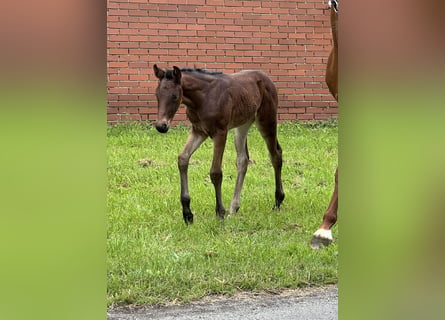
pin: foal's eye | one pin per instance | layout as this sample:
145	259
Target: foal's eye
174	97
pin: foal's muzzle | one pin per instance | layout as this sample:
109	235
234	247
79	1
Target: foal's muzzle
162	127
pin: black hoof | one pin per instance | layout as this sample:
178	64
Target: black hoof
278	200
220	213
188	218
277	205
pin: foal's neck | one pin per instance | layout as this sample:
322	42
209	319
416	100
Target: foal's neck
194	88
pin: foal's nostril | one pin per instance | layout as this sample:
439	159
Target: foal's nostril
162	127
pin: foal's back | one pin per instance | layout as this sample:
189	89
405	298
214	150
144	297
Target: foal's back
251	91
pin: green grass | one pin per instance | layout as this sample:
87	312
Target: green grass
153	257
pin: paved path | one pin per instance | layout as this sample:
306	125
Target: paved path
305	304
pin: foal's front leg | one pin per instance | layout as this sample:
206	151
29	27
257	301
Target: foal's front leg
194	140
242	161
219	143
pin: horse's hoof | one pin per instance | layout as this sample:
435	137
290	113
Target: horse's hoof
279	197
321	237
188	219
233	211
220	212
221	216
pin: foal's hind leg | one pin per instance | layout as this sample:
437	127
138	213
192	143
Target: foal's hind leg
242	161
268	130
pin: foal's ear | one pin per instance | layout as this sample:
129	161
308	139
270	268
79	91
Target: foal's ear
177	75
159	73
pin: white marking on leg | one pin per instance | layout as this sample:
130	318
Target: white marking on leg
324	234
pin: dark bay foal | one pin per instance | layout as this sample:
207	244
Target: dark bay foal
216	103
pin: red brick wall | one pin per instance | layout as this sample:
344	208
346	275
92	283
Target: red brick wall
289	40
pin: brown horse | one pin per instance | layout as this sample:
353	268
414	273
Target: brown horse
324	235
216	103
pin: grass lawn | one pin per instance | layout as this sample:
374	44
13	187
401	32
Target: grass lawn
153	257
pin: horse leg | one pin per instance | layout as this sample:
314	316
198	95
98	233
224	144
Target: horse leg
324	235
268	130
216	176
242	161
277	162
194	140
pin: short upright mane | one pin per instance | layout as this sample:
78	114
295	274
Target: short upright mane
203	71
169	73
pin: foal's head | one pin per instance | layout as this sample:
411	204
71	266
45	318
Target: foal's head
169	95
